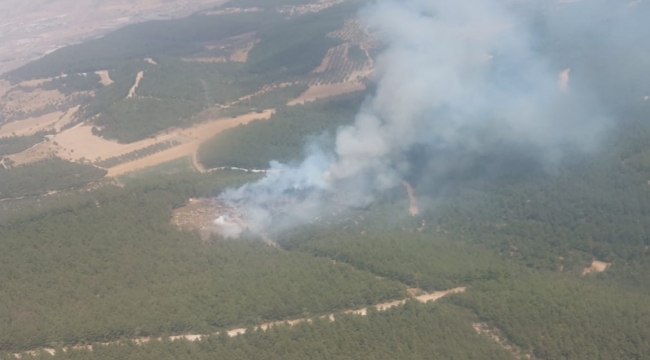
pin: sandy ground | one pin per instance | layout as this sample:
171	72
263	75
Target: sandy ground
105	77
596	266
426	297
151	61
4	87
563	80
31	125
219	59
195	135
323	91
413	207
241	55
496	335
138	78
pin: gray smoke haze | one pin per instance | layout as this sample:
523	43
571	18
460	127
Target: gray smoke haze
458	79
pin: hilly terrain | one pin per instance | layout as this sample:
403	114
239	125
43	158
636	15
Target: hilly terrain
116	240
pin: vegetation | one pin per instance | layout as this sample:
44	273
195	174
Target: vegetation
110	266
136	154
297	46
15	144
74	83
280	138
555	317
177	37
45	176
415	331
134	119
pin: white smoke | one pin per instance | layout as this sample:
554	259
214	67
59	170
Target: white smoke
459	77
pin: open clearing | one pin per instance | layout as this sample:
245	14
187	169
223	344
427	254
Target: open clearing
80	144
424	298
323	91
31	125
105	77
241	55
219	59
194	136
596	266
138	78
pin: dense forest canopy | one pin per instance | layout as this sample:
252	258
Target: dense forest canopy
86	259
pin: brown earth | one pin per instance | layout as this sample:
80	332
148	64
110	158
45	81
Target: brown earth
138	78
31	125
596	266
105	77
241	55
323	91
497	336
194	136
219	59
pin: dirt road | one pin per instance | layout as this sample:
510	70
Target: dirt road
426	297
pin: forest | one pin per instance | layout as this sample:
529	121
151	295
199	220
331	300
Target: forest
99	260
15	144
283	137
46	176
110	265
414	331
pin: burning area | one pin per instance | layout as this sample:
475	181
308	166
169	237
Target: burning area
210	217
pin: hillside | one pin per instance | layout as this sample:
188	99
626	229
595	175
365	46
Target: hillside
329	179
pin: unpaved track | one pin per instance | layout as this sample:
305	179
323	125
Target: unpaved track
324	91
138	78
239	331
31	125
195	136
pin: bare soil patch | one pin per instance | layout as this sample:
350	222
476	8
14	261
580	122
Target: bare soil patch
241	55
31	125
138	78
219	59
151	61
66	118
193	136
324	91
105	77
596	266
496	335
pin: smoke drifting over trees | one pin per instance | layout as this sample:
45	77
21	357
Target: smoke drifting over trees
463	86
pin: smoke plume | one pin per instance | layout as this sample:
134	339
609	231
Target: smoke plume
459	82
